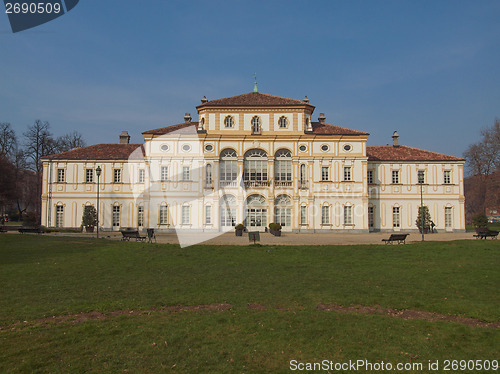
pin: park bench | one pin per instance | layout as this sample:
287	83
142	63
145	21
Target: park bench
483	233
134	234
33	230
399	238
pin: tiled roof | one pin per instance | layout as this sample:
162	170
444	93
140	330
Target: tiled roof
327	129
254	99
405	153
182	128
105	151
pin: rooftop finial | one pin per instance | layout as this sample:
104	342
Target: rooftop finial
255	84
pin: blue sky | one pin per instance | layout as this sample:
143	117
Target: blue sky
428	69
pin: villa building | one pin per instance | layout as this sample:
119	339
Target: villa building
254	159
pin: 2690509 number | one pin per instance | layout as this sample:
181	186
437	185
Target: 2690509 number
34	8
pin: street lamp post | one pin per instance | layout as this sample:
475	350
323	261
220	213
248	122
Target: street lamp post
98	173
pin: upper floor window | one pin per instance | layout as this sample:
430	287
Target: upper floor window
60	175
370	176
283	165
229	122
142	175
255	166
256	124
164	173
325	175
283	122
186	171
228	166
117	175
208	175
447	177
395	176
89	175
421	176
347	173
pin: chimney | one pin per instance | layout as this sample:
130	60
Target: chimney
204	100
306	100
187	118
322	118
124	137
395	139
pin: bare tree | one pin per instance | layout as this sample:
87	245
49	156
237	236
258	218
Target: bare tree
8	140
483	165
39	143
70	141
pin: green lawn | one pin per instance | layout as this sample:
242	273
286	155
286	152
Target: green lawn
41	277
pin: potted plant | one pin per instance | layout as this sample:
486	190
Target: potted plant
275	229
239	229
423	220
89	219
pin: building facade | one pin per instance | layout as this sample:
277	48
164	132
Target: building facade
254	159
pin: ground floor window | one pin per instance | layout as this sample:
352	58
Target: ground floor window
59	216
325	215
185	215
348	215
256	217
228	211
448	217
396	217
140	216
163	217
371	217
283	211
208	215
116	216
303	215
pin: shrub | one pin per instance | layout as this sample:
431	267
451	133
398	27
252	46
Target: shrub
275	226
30	220
89	218
423	210
480	220
239	226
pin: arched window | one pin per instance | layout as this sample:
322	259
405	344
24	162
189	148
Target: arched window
256	124
283	122
256	212
255	167
283	210
228	211
229	122
228	168
283	168
303	176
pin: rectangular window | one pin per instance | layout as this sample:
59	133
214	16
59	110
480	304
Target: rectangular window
116	216
370	177
185	215
142	176
303	216
325	215
208	215
371	217
140	216
395	176
117	175
164	173
447	177
396	217
59	216
348	215
347	173
60	175
163	218
89	175
325	176
421	176
208	175
186	173
448	217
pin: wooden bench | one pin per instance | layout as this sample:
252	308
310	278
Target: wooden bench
399	238
127	235
483	233
34	230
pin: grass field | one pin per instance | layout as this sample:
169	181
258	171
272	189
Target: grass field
81	305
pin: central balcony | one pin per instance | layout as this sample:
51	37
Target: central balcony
283	184
257	184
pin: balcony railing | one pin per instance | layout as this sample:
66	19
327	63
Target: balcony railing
257	184
224	184
282	184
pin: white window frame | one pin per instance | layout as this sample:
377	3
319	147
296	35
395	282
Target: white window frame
117	175
371	216
447	176
229	122
115	217
369	177
256	125
448	217
325	174
395	177
347	215
396	216
347	174
89	175
325	215
186	173
140	216
164	173
61	175
163	215
186	214
283	122
303	215
59	215
142	176
421	176
208	214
